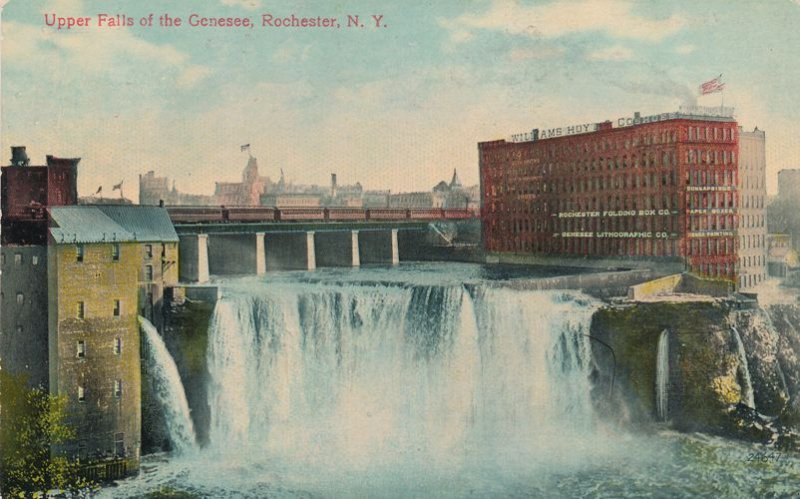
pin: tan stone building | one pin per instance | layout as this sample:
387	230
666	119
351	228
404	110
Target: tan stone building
752	224
106	265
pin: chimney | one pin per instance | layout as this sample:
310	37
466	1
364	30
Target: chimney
54	161
333	185
637	115
18	156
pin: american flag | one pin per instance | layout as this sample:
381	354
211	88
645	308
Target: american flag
712	86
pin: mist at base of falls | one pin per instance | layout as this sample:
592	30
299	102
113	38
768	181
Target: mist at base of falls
419	382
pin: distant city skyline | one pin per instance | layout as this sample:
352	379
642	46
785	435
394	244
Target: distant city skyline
393	108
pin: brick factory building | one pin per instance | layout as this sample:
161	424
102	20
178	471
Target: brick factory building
663	187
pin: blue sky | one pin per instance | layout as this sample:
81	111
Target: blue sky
396	107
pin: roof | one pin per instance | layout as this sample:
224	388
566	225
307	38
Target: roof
119	223
147	223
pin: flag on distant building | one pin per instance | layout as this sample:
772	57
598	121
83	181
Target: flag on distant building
118	186
245	147
712	86
99	190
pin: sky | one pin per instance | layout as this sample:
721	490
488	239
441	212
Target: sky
397	106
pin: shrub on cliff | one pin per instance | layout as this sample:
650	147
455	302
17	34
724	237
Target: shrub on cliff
31	422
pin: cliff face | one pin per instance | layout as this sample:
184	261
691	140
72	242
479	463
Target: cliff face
722	360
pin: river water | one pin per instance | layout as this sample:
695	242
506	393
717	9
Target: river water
427	380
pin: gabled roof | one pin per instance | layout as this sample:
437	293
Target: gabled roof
119	223
147	223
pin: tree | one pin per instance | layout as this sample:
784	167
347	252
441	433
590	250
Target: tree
32	422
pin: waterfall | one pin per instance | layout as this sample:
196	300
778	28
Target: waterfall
168	389
662	376
744	371
373	375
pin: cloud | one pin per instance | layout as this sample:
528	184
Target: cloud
613	17
615	53
96	52
546	52
247	4
685	49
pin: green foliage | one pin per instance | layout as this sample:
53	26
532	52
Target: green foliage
31	422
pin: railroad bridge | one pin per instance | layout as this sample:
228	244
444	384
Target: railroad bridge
253	240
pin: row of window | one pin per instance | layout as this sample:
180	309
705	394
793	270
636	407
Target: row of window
80	348
583	245
80	252
80	309
19	259
117	391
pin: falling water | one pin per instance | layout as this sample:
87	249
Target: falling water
744	370
352	377
662	376
169	390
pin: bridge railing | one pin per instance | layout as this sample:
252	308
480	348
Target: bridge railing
224	214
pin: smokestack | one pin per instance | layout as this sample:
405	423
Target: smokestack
333	185
18	156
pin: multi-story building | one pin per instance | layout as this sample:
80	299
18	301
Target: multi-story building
789	185
661	187
752	224
106	266
25	193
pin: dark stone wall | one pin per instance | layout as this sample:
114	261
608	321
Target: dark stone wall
286	251
231	254
23	326
375	247
334	249
186	337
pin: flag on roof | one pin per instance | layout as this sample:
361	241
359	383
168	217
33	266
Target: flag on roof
245	147
118	186
712	86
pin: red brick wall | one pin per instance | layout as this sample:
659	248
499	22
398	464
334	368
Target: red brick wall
618	192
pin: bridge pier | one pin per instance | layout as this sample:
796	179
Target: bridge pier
395	248
261	255
311	254
355	258
193	261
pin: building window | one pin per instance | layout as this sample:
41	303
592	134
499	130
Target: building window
81	349
79	253
3	259
17	258
117	345
148	251
148	273
34	260
20	298
20	329
115	252
119	444
81	393
81	310
117	308
117	388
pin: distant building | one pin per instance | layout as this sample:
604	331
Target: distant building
781	257
752	229
443	195
789	185
153	190
290	200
